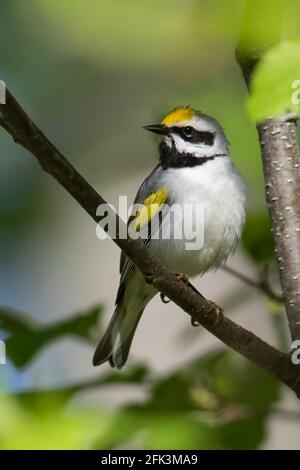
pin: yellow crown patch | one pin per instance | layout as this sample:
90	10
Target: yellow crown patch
179	114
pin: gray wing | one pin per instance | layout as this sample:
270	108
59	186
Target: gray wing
150	185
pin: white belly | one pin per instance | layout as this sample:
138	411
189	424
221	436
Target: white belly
218	190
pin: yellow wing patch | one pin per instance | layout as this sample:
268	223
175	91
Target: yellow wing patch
151	206
179	114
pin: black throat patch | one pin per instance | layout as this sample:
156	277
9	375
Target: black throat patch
171	158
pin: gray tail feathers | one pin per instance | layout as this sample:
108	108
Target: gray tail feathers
115	344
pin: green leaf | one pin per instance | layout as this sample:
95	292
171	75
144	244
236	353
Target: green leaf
257	238
139	427
36	399
226	377
27	337
219	401
261	27
275	86
242	434
172	393
122	428
238	381
228	394
52	427
179	431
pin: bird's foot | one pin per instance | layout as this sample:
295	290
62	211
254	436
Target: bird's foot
182	277
218	310
211	308
194	322
164	298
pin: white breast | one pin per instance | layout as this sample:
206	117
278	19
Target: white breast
218	186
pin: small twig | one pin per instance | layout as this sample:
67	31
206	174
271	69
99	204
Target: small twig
263	285
266	286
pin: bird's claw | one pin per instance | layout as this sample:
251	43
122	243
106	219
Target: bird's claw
218	310
182	277
164	298
212	307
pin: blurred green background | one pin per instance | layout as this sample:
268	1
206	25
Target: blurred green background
91	74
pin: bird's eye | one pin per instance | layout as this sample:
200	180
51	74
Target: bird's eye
188	131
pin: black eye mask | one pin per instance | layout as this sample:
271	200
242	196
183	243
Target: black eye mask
189	134
171	158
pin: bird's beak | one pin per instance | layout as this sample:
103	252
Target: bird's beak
157	129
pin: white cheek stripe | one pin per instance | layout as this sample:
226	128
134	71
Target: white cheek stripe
194	149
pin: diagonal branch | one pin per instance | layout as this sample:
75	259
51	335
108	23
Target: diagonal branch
26	133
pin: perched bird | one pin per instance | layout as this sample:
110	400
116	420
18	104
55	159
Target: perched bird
194	169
